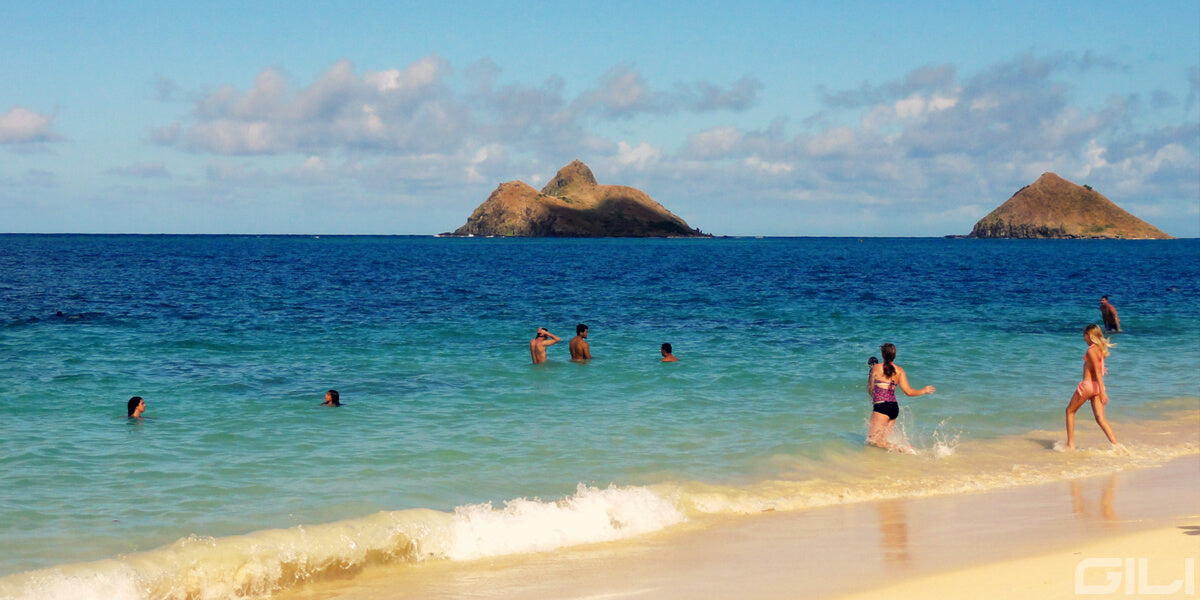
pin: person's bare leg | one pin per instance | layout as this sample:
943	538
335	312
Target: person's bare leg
1072	407
1098	411
880	427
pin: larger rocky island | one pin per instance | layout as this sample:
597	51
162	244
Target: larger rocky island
573	205
1053	207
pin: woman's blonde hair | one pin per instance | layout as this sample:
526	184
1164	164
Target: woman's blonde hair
1096	335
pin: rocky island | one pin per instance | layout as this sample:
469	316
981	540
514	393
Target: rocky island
1053	207
573	205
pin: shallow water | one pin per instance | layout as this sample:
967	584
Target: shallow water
233	341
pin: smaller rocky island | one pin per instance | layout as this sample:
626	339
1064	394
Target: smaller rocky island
1053	207
573	205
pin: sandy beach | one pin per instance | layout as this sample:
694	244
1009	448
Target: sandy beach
1024	542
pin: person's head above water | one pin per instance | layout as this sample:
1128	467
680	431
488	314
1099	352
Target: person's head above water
135	407
332	398
580	329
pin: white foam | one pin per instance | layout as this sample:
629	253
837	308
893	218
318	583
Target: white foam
253	565
945	465
264	562
591	515
93	584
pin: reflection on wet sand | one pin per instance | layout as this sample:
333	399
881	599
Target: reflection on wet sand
1104	511
893	530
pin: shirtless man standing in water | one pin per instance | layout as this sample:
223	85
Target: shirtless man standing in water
1108	312
579	344
537	346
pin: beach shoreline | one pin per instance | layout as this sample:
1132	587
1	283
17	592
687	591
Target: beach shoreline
886	548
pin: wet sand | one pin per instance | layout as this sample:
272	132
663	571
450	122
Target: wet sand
1026	541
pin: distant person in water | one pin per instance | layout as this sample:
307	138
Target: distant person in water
1092	386
539	343
135	407
579	344
332	398
665	350
1108	313
882	381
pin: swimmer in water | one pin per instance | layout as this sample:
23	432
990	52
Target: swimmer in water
135	407
332	398
1108	313
537	346
579	344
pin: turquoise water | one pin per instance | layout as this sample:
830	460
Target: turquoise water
233	341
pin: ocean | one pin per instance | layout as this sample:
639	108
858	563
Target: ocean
450	445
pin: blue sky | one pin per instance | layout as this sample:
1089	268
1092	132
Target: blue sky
748	118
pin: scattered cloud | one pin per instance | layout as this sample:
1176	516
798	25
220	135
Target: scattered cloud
927	79
931	132
949	142
755	163
39	178
624	93
22	126
146	170
417	110
165	90
642	156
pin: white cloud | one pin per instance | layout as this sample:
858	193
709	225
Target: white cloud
755	163
641	156
23	126
396	110
840	140
371	121
423	73
314	164
394	116
911	107
623	90
227	136
488	163
713	142
932	141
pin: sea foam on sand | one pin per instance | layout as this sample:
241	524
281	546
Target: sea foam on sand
944	547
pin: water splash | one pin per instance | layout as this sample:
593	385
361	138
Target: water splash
945	442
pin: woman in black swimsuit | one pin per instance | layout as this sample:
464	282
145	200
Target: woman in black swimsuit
881	384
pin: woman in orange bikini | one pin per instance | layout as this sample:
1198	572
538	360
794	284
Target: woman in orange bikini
1092	386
